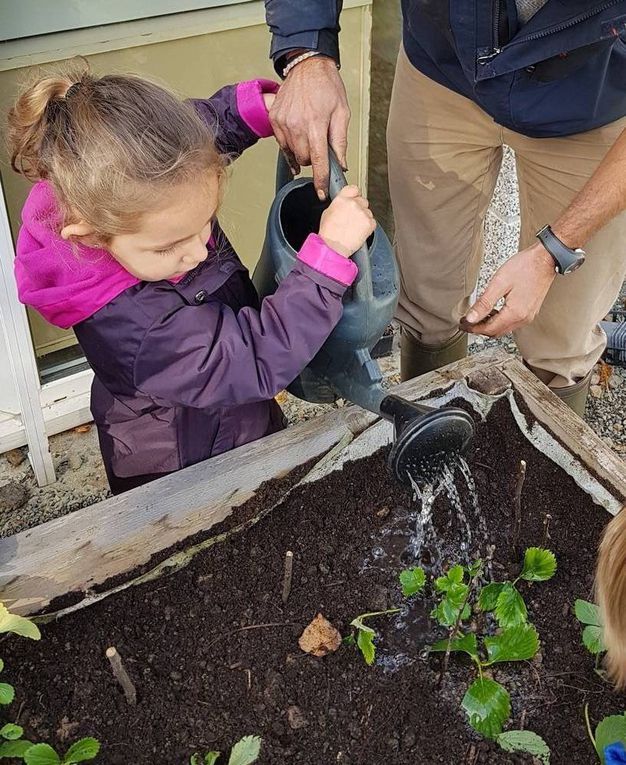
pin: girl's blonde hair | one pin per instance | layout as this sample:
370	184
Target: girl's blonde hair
110	146
611	592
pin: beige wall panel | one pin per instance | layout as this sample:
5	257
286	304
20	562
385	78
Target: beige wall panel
197	66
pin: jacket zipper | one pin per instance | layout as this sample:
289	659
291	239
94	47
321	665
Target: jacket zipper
485	59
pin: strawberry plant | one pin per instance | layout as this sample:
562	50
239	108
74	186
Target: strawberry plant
81	751
245	752
486	702
365	634
505	600
525	741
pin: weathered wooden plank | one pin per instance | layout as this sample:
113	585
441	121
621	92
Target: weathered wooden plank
88	547
573	432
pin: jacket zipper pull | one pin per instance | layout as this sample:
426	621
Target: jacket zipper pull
482	60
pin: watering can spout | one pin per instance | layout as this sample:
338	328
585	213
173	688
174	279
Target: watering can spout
344	368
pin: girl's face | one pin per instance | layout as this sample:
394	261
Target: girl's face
172	238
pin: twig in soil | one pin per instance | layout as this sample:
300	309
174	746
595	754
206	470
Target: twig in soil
517	509
546	529
471	755
121	675
287	574
522	720
249	627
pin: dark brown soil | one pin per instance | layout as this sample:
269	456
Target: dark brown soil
203	681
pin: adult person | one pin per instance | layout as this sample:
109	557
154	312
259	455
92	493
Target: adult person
547	78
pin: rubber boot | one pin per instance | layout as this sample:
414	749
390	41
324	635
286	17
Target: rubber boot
416	358
575	396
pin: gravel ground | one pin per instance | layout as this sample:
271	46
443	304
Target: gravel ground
79	467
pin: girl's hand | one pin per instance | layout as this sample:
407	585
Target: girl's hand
347	223
268	99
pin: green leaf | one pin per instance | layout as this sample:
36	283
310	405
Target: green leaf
195	759
1	665
245	751
446	613
525	741
412	581
539	565
488	598
515	644
211	758
81	751
587	613
466	644
454	576
609	731
510	609
593	639
41	754
475	568
18	625
14	749
487	705
365	641
11	732
7	693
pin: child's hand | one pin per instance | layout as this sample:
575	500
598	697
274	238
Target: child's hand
347	223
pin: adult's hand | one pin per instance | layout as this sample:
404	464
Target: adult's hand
523	281
311	111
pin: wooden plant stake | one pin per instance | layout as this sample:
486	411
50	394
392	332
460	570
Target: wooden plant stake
121	675
517	509
287	575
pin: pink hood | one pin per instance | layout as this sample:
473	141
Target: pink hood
65	282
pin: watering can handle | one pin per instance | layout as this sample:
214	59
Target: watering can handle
363	289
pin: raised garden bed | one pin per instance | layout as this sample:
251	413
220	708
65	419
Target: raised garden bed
213	650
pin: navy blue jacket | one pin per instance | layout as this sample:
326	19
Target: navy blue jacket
563	72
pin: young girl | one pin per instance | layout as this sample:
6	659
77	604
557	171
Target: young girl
120	241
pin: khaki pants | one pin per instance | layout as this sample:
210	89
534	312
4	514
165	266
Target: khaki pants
444	158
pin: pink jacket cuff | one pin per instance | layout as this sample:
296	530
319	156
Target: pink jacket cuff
319	256
252	107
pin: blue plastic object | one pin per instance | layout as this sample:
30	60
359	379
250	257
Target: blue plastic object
615	754
344	368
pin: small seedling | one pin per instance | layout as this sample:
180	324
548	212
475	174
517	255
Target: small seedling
453	606
505	600
609	739
81	751
525	741
245	752
588	614
413	581
365	634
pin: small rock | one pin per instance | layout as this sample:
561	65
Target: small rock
176	676
296	718
383	512
595	379
596	391
15	457
324	569
13	495
75	461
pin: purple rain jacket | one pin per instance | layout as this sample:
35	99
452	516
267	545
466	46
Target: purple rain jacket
184	369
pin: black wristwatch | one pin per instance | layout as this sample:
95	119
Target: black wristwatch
566	259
